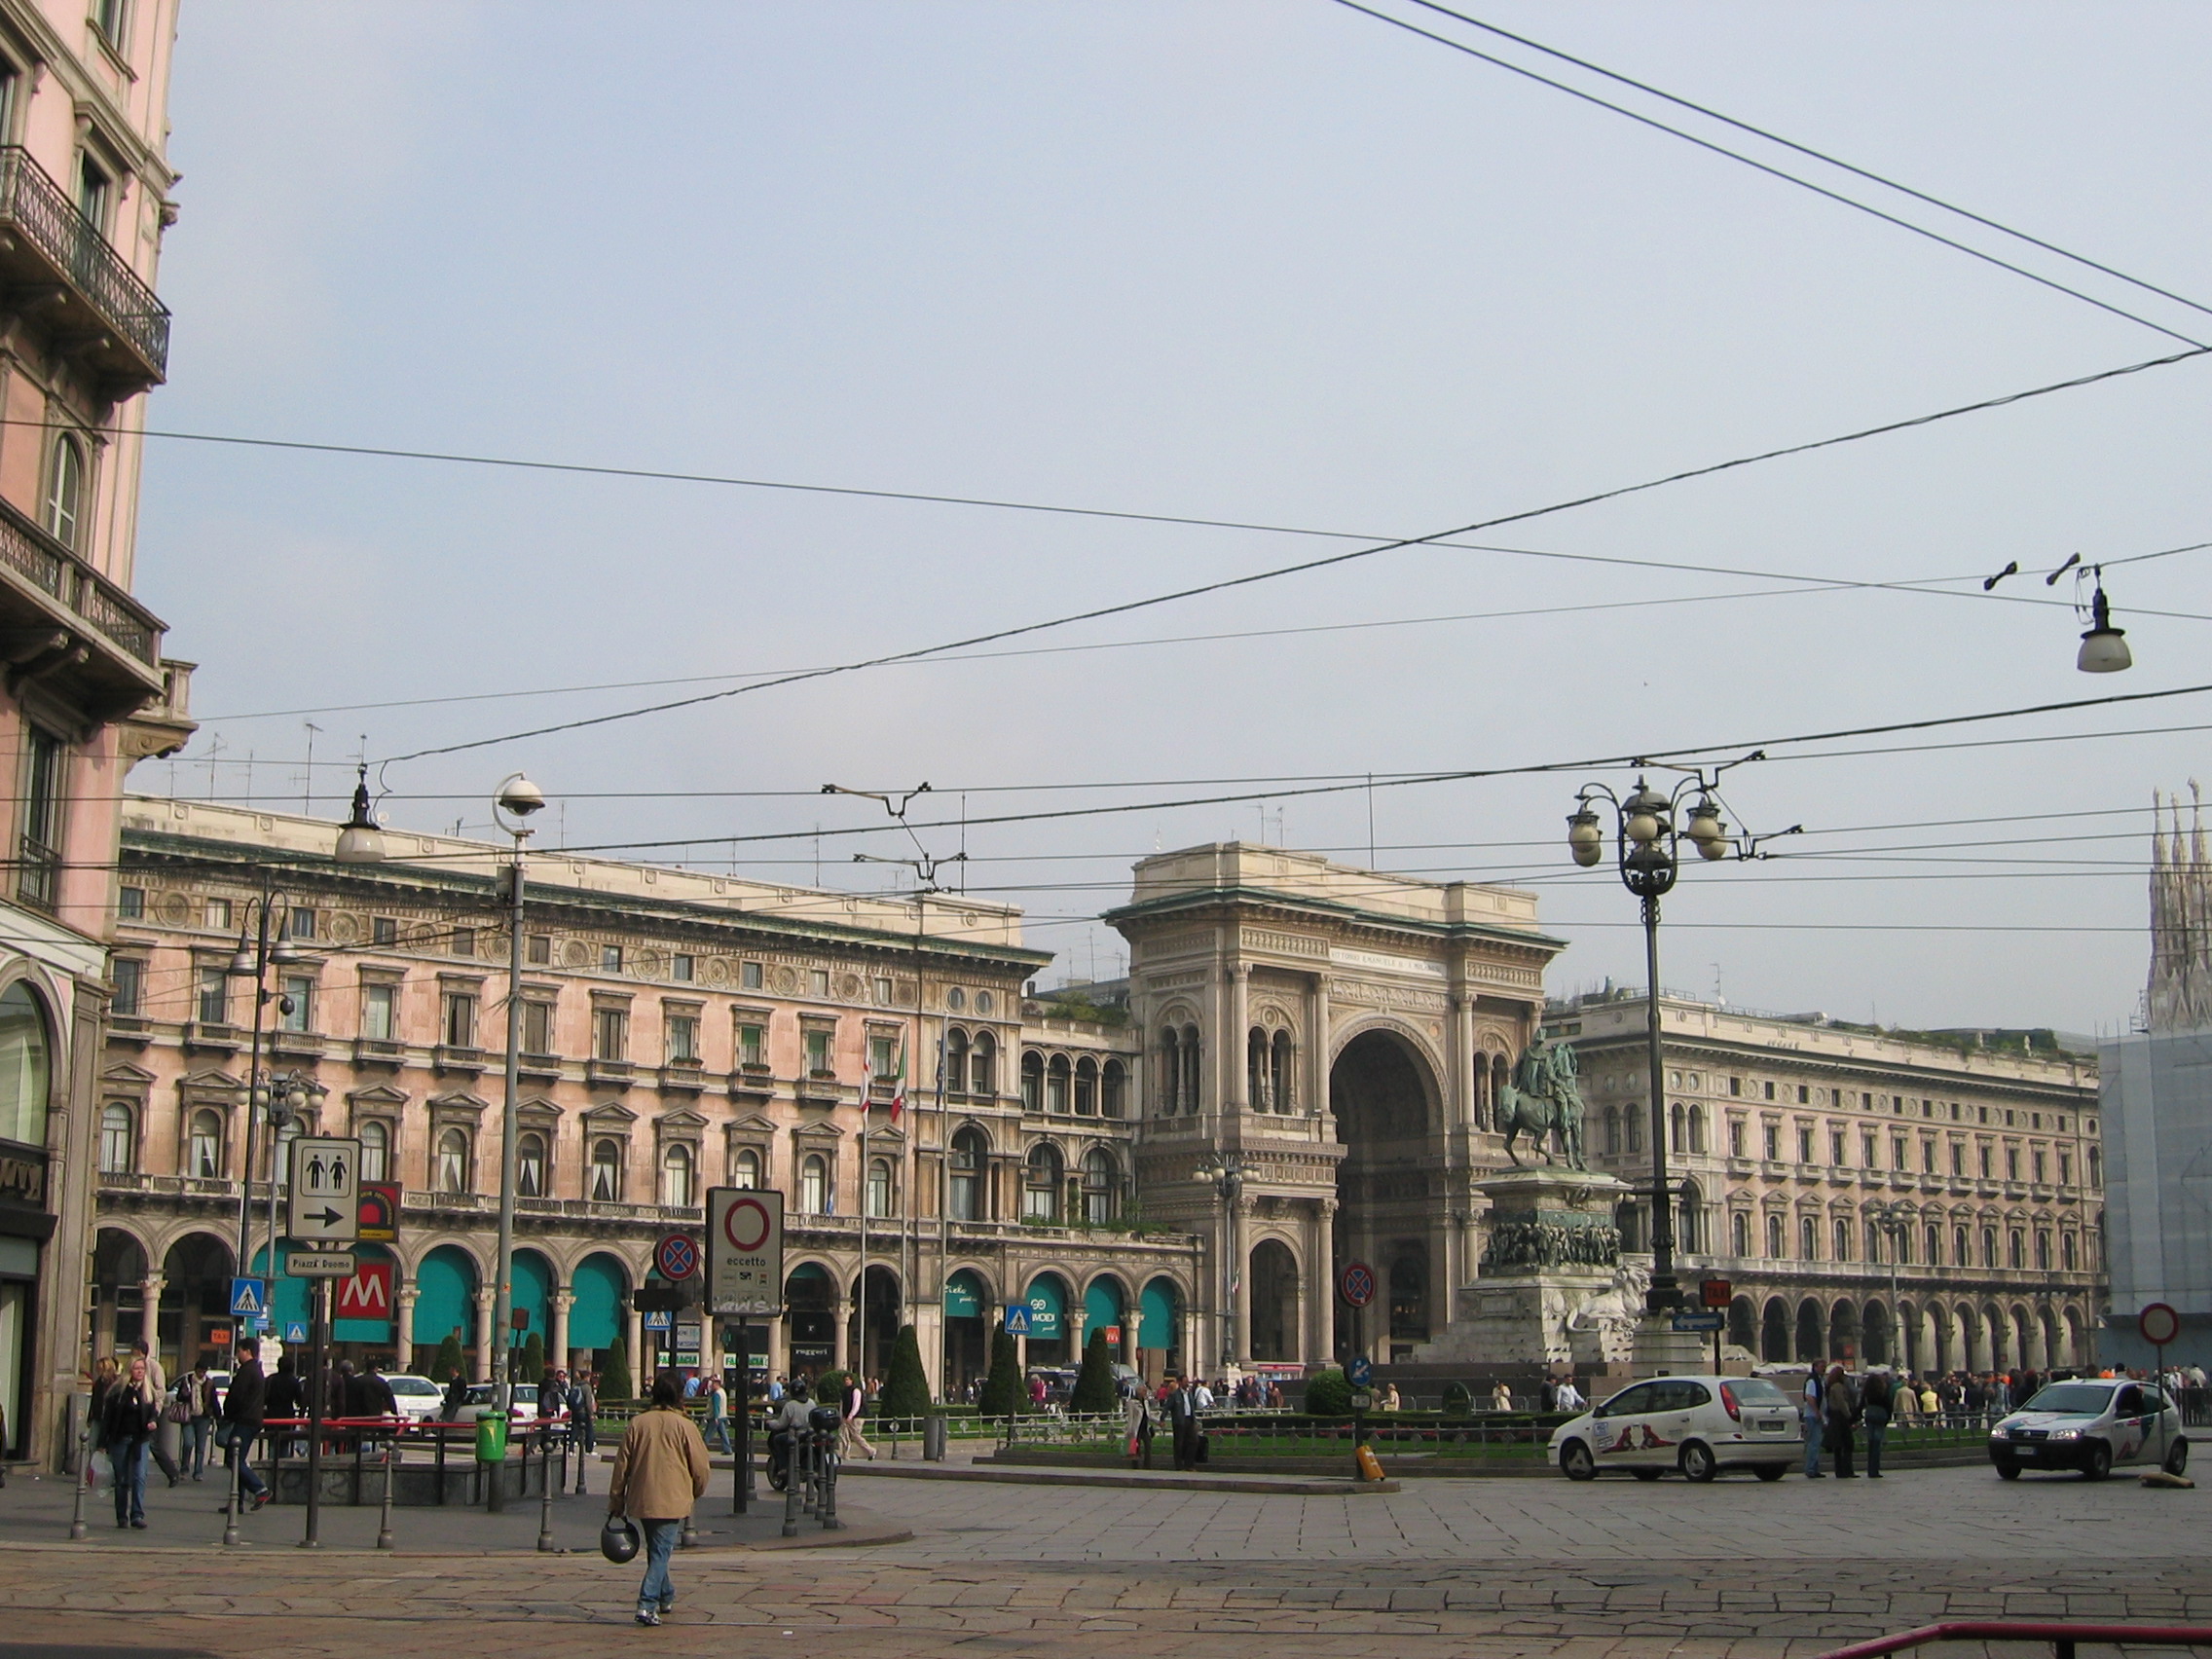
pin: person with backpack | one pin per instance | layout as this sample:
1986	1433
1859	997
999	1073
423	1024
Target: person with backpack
1839	1405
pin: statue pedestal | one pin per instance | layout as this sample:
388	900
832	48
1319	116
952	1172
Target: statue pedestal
1661	1351
1550	1292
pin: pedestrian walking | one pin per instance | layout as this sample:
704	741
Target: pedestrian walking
1137	1420
718	1413
245	1406
850	1403
1841	1408
1570	1396
457	1396
1813	1418
661	1471
131	1415
158	1380
197	1391
1876	1405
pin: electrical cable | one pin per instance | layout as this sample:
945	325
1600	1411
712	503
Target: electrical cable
1818	155
1902	223
1250	578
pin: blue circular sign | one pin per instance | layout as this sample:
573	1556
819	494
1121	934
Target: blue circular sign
676	1256
1356	1284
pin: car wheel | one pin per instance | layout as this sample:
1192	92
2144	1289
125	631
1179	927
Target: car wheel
2008	1470
2099	1465
2177	1460
1646	1474
1771	1472
1575	1462
1698	1462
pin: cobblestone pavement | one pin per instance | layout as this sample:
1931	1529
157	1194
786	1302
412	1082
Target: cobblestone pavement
1494	1569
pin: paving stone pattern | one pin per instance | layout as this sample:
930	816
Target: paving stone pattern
1491	1569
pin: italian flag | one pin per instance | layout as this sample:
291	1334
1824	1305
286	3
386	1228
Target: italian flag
898	1094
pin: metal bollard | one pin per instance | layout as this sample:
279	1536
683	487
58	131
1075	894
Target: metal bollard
791	1489
545	1491
384	1520
828	1505
85	1475
231	1509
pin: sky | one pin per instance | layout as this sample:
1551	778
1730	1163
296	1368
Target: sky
1278	264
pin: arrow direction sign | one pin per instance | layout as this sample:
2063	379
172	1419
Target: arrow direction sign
324	1201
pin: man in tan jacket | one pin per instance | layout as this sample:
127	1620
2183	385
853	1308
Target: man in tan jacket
660	1470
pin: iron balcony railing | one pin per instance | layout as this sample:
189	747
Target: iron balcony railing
59	574
32	203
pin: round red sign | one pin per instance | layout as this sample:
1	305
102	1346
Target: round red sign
1356	1283
2158	1323
746	1225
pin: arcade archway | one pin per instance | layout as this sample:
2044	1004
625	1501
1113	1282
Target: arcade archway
1383	1096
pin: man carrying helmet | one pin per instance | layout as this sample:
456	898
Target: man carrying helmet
660	1470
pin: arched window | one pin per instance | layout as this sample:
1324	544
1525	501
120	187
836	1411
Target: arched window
453	1161
1904	1247
968	1156
1842	1240
1676	1142
65	491
1873	1242
1113	1089
2043	1250
1739	1234
1170	1073
1774	1240
1934	1239
1057	1084
1697	1131
529	1165
814	1185
1282	1072
879	1187
676	1170
1032	1081
1191	1053
1258	1089
983	1064
1960	1256
1500	1069
2015	1249
2069	1253
1632	1125
1087	1088
1101	1186
1041	1183
118	1146
1808	1239
956	1062
203	1157
1690	1218
2096	1168
25	1069
607	1171
1989	1246
1612	1123
375	1151
745	1169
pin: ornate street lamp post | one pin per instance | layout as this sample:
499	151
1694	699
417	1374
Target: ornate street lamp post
1226	1176
1647	851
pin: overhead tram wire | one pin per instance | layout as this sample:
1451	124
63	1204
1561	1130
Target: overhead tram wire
1902	223
1633	757
1821	155
1928	585
1250	578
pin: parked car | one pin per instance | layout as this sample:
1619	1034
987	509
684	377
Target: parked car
2090	1423
1699	1425
481	1397
418	1397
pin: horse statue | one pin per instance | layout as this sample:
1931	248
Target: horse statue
1545	1099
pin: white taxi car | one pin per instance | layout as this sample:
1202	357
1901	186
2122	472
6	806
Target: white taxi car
1700	1425
2090	1423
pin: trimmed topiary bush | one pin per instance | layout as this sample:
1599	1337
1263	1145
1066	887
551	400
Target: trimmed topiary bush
906	1391
614	1376
529	1364
1328	1393
449	1360
1003	1395
1094	1385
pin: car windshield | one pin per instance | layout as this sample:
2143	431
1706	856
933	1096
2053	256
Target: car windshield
1756	1392
2082	1399
413	1386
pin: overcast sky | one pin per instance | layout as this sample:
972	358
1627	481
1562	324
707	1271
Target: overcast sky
1276	263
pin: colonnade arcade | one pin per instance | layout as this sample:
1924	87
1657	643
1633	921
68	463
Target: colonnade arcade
1940	1334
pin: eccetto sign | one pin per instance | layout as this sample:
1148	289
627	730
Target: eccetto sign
745	1250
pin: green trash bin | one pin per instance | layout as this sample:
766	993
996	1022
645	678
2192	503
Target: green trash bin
492	1438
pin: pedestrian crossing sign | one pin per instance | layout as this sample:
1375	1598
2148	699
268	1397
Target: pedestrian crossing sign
1016	1320
295	1332
249	1297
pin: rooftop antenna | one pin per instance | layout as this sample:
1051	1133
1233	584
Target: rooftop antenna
1371	820
306	781
215	749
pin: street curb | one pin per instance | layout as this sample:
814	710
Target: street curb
1044	1476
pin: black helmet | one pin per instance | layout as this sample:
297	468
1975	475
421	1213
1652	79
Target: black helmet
797	1389
618	1539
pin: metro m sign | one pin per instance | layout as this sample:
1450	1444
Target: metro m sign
367	1295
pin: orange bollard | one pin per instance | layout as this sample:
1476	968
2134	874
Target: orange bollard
1370	1465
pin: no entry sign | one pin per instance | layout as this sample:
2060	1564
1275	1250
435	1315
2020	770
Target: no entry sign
745	1250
